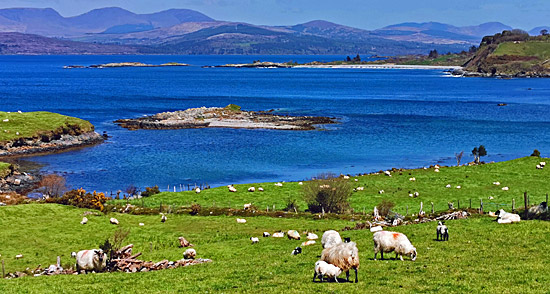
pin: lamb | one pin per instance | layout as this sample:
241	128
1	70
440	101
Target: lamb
260	189
360	188
254	240
247	206
442	231
184	242
197	190
84	221
293	234
19	256
343	255
73	254
113	221
251	189
381	192
330	239
278	235
496	183
448	186
241	220
91	260
266	234
232	189
312	236
296	251
505	188
190	254
323	269
507	218
413	179
385	241
163	218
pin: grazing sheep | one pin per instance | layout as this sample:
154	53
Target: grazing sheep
296	251
163	218
330	239
19	256
539	166
416	194
184	242
507	218
113	221
190	254
247	206
300	183
84	221
312	236
278	235
232	189
347	239
254	240
343	255
293	234
346	177
458	187
260	189
266	234
326	270
91	260
505	188
6	120
241	220
496	183
442	232
141	224
386	241
387	173
251	189
197	190
381	192
357	180
436	170
448	186
73	254
413	179
308	242
278	184
360	188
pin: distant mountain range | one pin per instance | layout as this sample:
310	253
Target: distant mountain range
184	31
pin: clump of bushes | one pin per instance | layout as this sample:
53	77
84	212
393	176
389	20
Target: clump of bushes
327	193
150	191
81	198
195	208
385	207
536	153
291	205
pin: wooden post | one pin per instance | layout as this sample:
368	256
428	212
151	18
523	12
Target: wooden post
525	203
513	204
470	203
150	246
273	207
160	207
3	270
481	206
407	211
58	261
546	198
267	208
458	203
433	208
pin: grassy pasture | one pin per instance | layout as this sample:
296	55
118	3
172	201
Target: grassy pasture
480	257
33	124
476	183
529	48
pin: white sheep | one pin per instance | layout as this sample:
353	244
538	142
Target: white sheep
19	256
442	232
308	242
113	221
539	166
416	194
197	190
507	218
381	192
542	163
260	189
251	189
343	255
413	179
326	270
296	251
505	188
293	234
346	177
360	188
376	229
386	241
91	260
312	236
266	234
232	189
278	235
496	183
448	186
73	254
84	221
190	254
241	221
278	184
163	218
254	240
330	238
141	224
300	183
247	206
387	173
436	170
458	187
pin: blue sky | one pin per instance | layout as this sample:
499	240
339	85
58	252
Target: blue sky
367	14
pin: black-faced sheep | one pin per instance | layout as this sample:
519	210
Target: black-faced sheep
385	241
330	238
91	260
296	251
343	255
442	232
326	270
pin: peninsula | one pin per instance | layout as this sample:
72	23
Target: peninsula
230	116
125	64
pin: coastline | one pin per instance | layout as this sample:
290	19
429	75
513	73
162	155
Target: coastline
380	66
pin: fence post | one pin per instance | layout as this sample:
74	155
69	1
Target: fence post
433	208
546	198
3	270
458	203
470	203
481	206
513	204
407	211
525	203
160	207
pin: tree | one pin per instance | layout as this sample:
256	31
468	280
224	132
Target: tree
53	185
433	54
348	59
357	58
536	153
543	32
327	193
479	152
459	157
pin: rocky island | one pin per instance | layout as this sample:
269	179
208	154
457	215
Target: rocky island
29	133
125	64
230	116
257	64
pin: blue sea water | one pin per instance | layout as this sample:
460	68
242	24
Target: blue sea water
388	118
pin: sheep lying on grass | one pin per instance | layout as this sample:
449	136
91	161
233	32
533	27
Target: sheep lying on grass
507	218
84	221
293	234
278	235
330	238
190	254
91	260
385	241
184	242
308	242
326	270
343	255
113	221
241	221
312	236
443	232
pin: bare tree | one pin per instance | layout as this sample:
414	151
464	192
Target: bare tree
53	185
459	157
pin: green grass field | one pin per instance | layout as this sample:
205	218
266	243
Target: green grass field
480	257
476	183
32	124
529	48
4	169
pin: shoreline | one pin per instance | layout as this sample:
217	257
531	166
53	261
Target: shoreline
380	66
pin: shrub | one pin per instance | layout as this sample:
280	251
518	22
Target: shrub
114	243
327	193
150	191
80	198
195	208
131	190
385	207
291	205
535	153
53	185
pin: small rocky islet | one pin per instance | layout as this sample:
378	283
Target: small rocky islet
230	116
125	64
